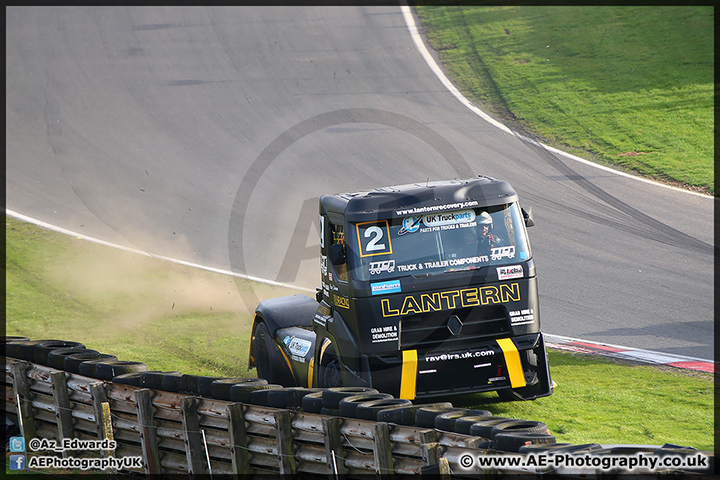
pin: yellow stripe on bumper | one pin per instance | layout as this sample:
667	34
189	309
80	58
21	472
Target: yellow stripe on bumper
409	374
512	360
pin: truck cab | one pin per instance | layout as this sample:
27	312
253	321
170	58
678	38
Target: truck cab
427	290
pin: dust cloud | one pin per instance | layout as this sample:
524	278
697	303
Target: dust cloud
130	290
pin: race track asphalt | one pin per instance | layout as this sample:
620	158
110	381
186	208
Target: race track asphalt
208	133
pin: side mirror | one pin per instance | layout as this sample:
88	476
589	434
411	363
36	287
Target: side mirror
528	217
337	254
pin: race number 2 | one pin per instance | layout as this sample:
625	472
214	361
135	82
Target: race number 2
374	238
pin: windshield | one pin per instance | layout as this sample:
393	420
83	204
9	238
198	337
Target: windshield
437	243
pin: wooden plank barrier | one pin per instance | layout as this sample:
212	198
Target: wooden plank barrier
167	433
176	433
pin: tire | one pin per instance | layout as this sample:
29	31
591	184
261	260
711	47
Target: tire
12	338
425	416
269	361
56	358
519	426
312	402
154	379
204	384
220	388
26	350
171	382
484	427
11	347
348	405
369	410
550	448
74	360
463	424
406	415
333	395
87	368
108	370
512	441
260	396
446	421
132	378
240	392
290	397
189	384
41	350
330	374
332	412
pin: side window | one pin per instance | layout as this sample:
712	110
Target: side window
337	233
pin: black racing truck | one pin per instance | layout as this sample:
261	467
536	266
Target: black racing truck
428	290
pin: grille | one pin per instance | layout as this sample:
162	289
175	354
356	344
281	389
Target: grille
428	331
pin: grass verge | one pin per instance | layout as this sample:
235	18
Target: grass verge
174	317
628	86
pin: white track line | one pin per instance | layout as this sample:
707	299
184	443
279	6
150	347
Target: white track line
422	48
552	339
54	228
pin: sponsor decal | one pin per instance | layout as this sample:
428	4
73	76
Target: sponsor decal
510	272
341	302
449	218
436	208
374	238
384	266
435	222
450	300
387	333
380	288
502	252
444	357
410	225
522	317
323	265
297	346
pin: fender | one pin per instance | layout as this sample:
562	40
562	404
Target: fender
290	311
283	312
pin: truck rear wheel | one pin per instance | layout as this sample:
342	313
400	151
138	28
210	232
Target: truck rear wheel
270	362
261	347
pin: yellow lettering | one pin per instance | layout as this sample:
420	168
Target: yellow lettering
450	297
437	301
510	292
469	297
410	305
430	302
489	295
387	311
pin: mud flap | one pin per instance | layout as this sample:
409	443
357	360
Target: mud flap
517	369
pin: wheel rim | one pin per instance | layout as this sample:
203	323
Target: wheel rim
332	377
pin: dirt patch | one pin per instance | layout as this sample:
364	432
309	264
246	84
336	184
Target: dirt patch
633	154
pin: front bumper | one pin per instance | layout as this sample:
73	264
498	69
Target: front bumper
516	363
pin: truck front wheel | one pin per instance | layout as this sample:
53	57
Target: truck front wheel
330	375
268	359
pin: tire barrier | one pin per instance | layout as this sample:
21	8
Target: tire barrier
348	405
41	350
75	360
251	426
56	358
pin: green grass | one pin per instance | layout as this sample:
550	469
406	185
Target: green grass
628	86
174	317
